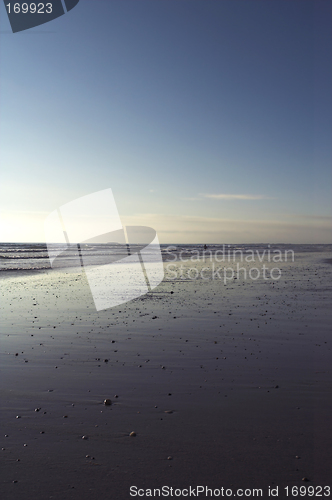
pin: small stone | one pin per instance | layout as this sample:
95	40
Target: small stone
65	416
276	387
297	457
169	411
116	396
18	416
305	479
132	434
15	481
169	458
107	402
25	444
85	437
37	409
105	360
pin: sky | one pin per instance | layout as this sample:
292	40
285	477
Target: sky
210	120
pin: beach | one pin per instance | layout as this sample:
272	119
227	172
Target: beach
225	383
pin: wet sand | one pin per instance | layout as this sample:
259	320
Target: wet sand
225	385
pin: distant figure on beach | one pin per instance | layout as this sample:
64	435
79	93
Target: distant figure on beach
205	247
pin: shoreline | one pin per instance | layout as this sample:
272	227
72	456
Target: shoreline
247	366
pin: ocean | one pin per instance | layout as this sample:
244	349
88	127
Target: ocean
15	257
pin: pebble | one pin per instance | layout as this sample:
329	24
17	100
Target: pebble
107	402
132	434
305	479
85	437
169	458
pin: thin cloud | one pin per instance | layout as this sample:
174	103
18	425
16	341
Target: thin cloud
316	217
198	229
222	196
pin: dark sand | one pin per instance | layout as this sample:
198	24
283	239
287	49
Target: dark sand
231	381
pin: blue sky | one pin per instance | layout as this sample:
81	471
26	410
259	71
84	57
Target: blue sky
210	120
